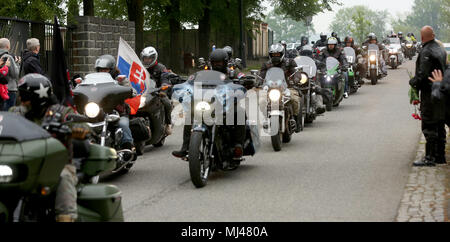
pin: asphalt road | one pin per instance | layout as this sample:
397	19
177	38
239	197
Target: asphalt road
350	165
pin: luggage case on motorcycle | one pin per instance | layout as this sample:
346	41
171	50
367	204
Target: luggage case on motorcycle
100	202
139	129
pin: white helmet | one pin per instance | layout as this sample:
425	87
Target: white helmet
151	55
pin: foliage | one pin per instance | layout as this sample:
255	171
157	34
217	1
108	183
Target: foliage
359	21
299	10
37	10
287	29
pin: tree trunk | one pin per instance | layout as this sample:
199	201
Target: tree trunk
136	14
88	8
173	11
204	31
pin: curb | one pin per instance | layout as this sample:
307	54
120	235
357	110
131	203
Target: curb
427	192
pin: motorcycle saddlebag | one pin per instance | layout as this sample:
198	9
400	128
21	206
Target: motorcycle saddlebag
139	129
100	203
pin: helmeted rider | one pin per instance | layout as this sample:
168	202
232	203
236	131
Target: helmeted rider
372	39
159	73
303	42
38	104
107	64
277	59
318	99
219	62
233	63
333	50
401	37
350	42
322	42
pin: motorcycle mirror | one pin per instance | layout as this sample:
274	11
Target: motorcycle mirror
112	118
254	72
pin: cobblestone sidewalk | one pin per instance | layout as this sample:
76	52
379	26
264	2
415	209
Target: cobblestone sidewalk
427	193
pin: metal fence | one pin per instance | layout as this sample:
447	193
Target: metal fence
18	31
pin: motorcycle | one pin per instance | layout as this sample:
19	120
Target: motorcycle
373	56
210	146
279	111
31	162
334	81
395	53
308	69
410	50
96	98
353	74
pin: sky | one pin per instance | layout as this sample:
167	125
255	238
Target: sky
323	20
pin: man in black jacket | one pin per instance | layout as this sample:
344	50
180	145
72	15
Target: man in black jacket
31	62
432	57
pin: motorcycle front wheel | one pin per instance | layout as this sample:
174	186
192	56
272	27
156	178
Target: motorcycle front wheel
198	153
373	77
277	138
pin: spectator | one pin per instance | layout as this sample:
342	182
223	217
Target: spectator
12	75
432	57
4	69
441	90
31	62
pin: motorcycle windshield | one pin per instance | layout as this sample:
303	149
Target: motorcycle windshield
107	95
332	65
17	128
208	78
98	78
275	78
350	54
307	64
373	47
394	41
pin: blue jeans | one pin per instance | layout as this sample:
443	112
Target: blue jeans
11	102
124	124
347	87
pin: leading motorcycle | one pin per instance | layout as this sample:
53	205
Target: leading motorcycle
208	98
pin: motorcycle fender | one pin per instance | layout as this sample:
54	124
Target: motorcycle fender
4	214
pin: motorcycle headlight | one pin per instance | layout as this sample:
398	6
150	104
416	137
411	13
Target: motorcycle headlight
92	110
328	78
372	58
409	45
6	174
304	79
203	106
274	95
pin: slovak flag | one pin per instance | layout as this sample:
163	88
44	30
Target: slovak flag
131	66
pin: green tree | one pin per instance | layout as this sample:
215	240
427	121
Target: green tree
287	29
37	10
358	21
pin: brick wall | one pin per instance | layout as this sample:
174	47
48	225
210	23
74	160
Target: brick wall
94	37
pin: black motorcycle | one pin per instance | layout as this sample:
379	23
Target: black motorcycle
308	69
96	98
210	147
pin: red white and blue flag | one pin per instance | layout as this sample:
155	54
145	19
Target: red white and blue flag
131	66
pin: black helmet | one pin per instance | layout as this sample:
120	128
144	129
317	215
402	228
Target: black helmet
334	34
323	37
276	54
303	40
306	51
349	39
37	89
400	33
229	51
107	62
219	60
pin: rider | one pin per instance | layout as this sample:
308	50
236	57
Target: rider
333	51
159	73
304	41
277	59
318	100
107	64
236	64
37	104
322	42
219	62
372	39
412	37
350	42
400	36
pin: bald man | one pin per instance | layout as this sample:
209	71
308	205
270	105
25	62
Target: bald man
432	57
